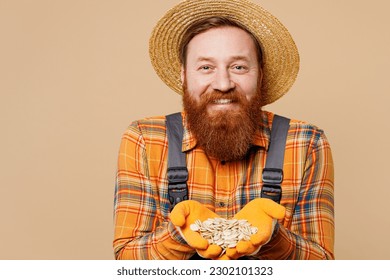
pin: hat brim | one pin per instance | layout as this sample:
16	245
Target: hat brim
280	54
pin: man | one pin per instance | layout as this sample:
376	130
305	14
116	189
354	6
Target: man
228	58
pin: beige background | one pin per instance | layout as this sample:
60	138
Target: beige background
74	73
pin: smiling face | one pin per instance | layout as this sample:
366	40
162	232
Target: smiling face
221	84
222	60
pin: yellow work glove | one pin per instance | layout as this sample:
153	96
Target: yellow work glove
186	213
261	213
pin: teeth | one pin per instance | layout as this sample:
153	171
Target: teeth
223	101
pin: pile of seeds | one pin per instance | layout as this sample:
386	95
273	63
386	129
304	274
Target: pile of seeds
223	232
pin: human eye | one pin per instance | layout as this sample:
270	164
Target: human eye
239	68
206	68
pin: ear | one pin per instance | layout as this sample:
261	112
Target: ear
261	75
182	74
260	78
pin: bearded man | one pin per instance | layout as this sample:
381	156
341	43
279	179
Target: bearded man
228	58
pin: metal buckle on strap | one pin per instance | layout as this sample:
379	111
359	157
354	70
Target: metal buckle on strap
177	185
177	174
272	176
272	180
272	192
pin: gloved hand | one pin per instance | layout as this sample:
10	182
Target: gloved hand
186	213
261	213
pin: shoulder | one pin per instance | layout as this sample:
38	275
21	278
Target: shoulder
147	125
301	132
150	124
305	129
147	130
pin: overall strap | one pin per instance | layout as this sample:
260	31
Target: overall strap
273	171
177	167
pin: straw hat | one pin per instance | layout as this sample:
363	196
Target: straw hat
280	54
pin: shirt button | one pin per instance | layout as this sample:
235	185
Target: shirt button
221	204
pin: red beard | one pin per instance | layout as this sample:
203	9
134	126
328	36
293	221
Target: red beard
226	134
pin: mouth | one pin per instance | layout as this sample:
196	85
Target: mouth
222	101
224	104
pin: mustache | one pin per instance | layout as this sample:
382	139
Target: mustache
214	95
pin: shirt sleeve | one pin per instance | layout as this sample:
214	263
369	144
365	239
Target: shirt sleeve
141	231
311	235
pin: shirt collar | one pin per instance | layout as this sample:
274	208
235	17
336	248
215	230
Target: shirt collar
261	138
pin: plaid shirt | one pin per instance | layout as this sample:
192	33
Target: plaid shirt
142	226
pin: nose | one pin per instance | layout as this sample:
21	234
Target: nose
222	81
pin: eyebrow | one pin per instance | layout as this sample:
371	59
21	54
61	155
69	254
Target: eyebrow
204	58
241	57
236	57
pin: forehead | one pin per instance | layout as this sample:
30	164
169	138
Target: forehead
223	41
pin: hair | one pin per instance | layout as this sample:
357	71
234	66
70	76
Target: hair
206	24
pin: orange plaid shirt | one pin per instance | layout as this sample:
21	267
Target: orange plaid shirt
142	226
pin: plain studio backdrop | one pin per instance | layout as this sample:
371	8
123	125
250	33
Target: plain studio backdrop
75	73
